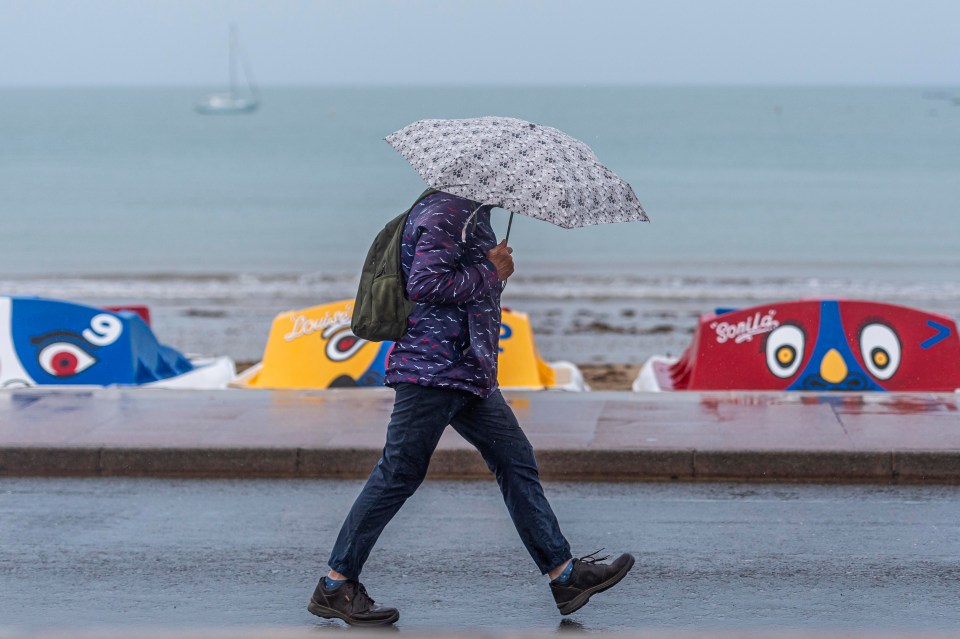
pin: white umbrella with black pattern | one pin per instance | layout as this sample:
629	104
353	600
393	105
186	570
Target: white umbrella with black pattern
523	167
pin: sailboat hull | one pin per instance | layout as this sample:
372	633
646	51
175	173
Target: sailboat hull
224	103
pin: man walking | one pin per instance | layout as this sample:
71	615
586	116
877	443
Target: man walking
444	372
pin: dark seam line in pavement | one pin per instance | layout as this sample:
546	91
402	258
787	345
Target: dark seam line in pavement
694	465
843	426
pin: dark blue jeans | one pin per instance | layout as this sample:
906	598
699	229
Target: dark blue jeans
420	414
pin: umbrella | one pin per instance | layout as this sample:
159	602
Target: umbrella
526	168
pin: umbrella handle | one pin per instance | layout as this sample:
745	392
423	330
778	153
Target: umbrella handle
507	239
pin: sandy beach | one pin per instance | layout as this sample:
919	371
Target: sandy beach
609	377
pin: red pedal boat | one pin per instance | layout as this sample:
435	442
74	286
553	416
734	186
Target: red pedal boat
814	345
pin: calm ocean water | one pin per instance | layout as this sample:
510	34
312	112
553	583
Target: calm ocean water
218	223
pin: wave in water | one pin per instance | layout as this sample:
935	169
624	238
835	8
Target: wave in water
220	288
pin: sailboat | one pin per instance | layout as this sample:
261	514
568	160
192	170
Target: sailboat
232	102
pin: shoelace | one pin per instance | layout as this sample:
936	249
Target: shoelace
362	595
592	557
360	599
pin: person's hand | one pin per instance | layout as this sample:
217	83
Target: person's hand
500	256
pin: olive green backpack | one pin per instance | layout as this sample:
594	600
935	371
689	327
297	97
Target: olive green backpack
381	309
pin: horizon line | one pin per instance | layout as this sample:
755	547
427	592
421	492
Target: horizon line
480	85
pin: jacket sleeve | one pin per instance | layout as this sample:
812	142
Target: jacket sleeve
436	275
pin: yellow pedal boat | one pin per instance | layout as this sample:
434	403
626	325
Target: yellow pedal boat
314	348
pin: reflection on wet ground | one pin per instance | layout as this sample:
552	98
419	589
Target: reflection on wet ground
877	403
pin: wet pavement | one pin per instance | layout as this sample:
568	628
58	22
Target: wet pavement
119	553
865	437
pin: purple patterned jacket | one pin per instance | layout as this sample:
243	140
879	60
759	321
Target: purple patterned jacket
454	332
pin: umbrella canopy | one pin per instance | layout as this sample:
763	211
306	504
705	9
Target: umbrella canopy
526	168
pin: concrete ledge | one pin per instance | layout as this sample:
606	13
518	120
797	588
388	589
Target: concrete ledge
457	463
199	462
794	465
616	465
49	462
928	467
336	463
937	467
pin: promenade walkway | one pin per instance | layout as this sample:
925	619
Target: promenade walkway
621	436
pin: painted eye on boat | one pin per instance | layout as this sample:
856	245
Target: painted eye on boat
785	350
63	359
343	345
880	348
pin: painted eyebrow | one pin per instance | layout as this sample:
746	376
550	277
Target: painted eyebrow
39	339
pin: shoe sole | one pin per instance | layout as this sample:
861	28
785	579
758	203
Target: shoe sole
581	600
330	613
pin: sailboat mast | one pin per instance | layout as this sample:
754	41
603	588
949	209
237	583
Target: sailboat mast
247	72
233	59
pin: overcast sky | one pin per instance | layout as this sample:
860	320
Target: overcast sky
178	42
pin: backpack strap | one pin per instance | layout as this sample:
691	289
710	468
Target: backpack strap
406	215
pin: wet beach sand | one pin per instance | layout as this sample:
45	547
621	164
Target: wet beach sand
609	377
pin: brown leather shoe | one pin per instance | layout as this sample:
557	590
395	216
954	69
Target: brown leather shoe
589	577
350	602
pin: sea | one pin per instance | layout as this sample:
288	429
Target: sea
113	196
